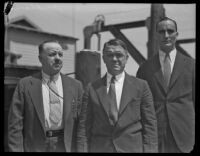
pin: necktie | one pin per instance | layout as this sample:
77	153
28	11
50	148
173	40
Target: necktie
55	107
113	112
167	69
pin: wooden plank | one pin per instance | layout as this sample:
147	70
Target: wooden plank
136	55
157	12
124	25
179	48
181	41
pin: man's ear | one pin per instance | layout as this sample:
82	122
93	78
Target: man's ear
40	58
103	57
127	56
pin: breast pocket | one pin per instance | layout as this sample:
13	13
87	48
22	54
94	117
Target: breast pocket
131	112
76	107
134	107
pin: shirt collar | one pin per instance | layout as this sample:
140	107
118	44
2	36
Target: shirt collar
118	78
46	77
172	54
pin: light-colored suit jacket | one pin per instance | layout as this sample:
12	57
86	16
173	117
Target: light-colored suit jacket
26	121
136	128
178	98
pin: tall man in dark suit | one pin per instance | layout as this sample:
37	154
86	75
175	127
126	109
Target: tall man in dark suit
43	112
117	113
171	77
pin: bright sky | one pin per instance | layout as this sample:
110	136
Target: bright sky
70	19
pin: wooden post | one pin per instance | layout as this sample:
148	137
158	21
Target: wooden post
157	12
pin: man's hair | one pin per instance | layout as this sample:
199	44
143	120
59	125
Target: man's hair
40	47
115	42
166	19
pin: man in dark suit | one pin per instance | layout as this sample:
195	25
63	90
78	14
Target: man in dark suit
171	77
117	113
43	112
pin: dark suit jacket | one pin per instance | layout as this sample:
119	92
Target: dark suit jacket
136	128
178	98
26	121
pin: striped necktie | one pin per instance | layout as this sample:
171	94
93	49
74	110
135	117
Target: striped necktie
167	69
113	111
54	102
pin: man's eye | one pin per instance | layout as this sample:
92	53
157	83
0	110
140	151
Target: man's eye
109	55
161	31
52	54
170	31
116	55
119	55
60	54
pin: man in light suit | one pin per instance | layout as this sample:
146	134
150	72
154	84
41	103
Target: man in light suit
42	118
128	126
173	93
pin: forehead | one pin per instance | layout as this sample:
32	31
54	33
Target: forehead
114	48
52	46
167	24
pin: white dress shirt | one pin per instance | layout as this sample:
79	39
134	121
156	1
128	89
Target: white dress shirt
45	94
172	56
118	86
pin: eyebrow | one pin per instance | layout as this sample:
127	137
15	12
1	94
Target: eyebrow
166	30
54	50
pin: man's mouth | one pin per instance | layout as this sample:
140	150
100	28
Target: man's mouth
167	41
115	66
57	64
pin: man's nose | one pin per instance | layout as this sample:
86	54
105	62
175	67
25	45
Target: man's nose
166	34
57	56
114	57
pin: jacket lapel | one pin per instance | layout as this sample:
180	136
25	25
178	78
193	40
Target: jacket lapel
158	73
68	98
102	94
35	91
129	92
177	69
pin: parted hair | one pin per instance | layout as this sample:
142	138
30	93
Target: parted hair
40	47
166	19
115	42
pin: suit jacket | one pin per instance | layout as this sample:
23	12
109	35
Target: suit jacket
178	98
26	121
136	128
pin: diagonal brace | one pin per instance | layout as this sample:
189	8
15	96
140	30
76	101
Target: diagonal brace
136	55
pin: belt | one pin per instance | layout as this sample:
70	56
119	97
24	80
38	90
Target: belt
55	133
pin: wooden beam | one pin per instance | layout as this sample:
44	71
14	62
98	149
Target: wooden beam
179	48
124	25
157	12
139	58
186	41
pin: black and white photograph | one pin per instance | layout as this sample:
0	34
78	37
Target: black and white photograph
99	77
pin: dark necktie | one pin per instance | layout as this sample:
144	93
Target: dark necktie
55	106
113	111
167	69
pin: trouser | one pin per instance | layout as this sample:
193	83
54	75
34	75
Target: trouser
166	142
55	144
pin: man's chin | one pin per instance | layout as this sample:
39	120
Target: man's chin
56	70
116	72
167	47
58	66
